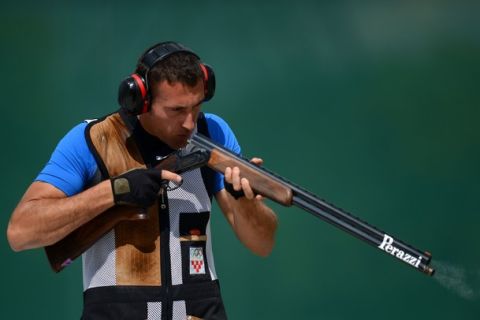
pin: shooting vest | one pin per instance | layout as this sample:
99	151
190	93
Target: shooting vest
157	268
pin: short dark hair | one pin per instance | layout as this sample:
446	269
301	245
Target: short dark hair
183	67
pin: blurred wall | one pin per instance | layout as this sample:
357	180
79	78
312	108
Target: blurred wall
371	105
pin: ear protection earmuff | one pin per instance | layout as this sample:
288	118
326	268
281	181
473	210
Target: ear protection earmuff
133	92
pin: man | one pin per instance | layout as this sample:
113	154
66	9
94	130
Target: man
161	268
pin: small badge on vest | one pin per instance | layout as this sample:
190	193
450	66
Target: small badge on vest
197	263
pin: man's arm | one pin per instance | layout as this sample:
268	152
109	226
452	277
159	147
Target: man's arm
45	214
254	223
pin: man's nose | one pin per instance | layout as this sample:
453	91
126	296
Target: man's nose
189	122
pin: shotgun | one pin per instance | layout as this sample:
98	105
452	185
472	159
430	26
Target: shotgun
278	189
63	252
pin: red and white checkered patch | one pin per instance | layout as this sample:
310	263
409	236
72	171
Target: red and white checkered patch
197	263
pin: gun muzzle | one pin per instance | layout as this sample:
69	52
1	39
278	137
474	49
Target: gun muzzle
428	270
424	267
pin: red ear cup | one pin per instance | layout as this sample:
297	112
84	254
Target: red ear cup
143	91
132	95
208	81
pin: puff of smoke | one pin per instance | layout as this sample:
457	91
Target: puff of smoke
458	279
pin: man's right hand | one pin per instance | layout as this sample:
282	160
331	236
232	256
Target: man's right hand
140	187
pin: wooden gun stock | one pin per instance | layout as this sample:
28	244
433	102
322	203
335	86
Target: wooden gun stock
62	253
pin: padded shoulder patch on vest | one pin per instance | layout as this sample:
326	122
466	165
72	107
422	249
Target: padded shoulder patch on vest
113	146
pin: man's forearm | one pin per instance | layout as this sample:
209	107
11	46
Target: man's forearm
255	225
43	220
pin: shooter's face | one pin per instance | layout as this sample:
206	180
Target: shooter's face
174	112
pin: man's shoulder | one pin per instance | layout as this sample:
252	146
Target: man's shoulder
221	132
76	133
74	143
215	119
71	165
216	124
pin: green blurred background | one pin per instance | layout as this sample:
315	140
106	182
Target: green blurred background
371	105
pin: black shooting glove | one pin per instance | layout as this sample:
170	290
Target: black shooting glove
138	187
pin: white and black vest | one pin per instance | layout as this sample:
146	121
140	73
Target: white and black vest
157	268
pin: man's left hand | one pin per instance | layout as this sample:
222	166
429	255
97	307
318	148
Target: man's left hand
233	176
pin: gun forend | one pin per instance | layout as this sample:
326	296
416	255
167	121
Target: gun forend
262	181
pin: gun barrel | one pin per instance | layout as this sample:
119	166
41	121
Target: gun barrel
287	193
362	230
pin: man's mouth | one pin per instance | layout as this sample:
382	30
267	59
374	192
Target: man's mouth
186	135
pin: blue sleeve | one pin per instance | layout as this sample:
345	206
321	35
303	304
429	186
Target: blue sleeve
221	133
71	165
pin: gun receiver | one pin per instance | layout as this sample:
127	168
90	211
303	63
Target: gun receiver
280	190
